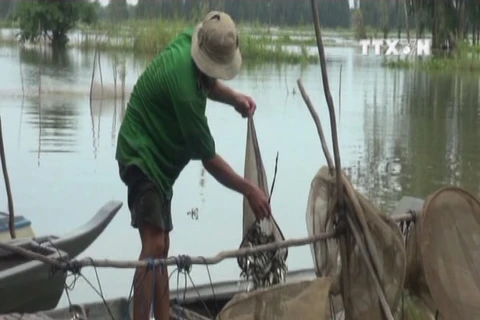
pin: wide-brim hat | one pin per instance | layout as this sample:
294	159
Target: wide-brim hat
215	46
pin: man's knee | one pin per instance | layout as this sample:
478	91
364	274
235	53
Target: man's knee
155	242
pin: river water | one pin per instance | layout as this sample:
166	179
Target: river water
402	132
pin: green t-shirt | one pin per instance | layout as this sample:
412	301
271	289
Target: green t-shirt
165	124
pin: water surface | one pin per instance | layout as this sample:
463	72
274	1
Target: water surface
401	133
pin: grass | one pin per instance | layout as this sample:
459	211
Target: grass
436	64
465	58
149	37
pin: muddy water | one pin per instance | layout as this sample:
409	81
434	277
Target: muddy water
401	133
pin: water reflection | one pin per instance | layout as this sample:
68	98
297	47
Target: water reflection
420	136
56	122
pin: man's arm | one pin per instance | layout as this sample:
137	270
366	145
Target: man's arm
224	174
222	93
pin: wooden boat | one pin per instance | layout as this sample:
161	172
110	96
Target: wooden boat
23	227
30	286
407	204
199	303
196	303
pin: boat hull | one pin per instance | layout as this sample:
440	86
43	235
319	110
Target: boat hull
32	281
30	285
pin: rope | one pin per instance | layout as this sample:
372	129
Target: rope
151	267
217	309
184	265
75	270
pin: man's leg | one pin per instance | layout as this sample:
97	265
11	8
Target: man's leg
151	214
155	244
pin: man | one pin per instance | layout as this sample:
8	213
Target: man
165	127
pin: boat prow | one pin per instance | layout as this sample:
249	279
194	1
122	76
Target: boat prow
79	239
30	286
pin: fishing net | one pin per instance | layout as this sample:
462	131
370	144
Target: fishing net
383	241
446	245
306	300
417	302
326	254
266	268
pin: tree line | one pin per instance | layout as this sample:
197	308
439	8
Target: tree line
447	20
334	13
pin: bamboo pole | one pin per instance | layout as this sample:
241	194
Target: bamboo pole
222	255
219	257
342	213
340	205
11	214
318	124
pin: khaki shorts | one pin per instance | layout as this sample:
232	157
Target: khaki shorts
147	204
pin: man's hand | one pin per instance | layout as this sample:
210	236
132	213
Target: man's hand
244	105
259	203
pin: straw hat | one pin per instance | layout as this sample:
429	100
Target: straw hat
215	46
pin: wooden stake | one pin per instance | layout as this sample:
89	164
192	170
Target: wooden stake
11	215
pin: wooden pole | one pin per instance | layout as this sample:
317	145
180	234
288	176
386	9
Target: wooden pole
318	124
342	213
219	257
11	214
173	260
338	168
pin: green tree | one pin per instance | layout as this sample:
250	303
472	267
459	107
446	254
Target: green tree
52	19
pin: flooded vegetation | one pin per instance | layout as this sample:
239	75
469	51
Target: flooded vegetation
407	125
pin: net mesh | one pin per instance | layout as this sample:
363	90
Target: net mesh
418	303
449	242
436	259
267	268
383	240
326	254
306	300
